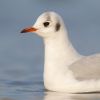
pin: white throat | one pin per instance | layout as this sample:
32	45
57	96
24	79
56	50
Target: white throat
59	54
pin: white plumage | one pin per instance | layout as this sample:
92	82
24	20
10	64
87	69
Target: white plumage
65	70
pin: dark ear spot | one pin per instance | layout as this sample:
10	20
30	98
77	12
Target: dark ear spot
57	27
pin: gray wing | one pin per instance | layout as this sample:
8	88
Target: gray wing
86	68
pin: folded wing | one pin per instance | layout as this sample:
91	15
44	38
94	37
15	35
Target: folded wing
87	68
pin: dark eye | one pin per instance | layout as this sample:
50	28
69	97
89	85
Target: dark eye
46	24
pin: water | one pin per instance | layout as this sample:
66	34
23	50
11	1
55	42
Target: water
21	55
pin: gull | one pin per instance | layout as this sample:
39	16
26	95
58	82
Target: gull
65	70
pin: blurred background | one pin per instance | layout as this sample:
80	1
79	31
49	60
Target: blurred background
21	55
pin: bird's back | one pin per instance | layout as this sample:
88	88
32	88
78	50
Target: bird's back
87	68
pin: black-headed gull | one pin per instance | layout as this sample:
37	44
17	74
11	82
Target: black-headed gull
65	70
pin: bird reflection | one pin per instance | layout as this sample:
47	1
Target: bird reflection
65	96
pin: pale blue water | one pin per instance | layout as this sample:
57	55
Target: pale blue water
21	55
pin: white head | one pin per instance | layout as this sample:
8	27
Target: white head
48	24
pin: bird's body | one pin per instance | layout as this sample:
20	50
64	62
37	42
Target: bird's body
65	70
